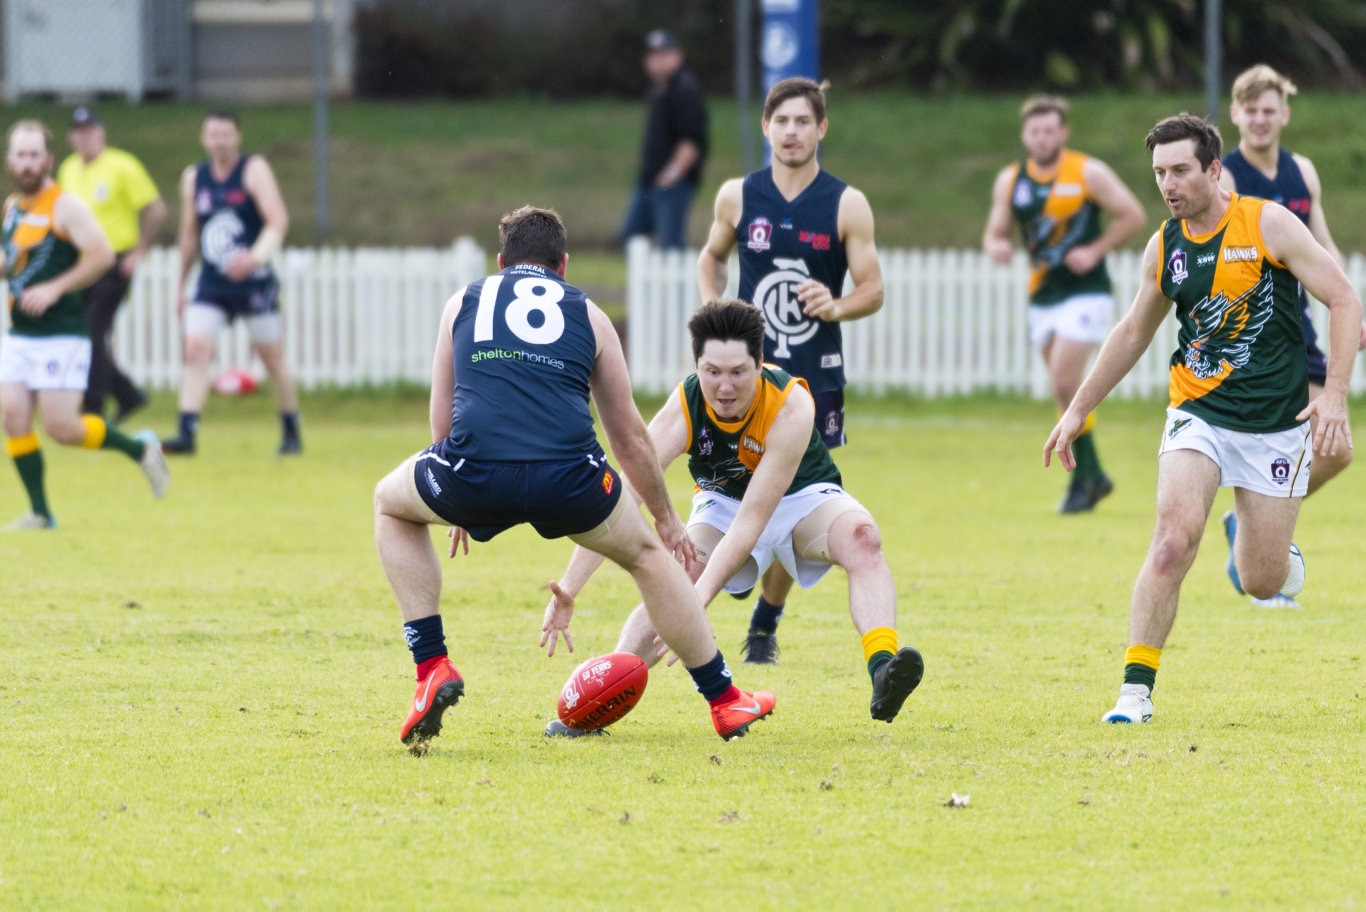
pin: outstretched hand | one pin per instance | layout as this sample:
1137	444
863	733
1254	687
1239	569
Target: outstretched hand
557	616
459	539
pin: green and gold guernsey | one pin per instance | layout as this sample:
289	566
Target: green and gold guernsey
1055	212
35	251
722	455
1239	362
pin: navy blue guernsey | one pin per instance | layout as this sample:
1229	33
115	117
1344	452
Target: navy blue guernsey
523	351
1288	189
228	221
783	244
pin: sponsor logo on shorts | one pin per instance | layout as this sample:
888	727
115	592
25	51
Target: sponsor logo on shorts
1179	425
431	483
760	231
53	367
832	424
1280	470
607	482
1177	266
831	360
1240	254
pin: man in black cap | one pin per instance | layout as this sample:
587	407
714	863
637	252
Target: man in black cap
674	147
117	188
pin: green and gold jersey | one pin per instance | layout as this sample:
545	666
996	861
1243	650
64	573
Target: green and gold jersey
722	455
35	251
1055	213
1239	362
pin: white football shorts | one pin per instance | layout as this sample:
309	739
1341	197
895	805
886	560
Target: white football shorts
1081	318
45	362
1275	464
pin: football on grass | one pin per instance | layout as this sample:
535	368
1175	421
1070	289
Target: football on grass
234	382
602	690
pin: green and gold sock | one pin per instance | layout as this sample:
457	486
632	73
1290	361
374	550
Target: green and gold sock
879	645
1140	665
28	459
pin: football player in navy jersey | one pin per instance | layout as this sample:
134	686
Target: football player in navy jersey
801	231
1261	166
517	357
233	217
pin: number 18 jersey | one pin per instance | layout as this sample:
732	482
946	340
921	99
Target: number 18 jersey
523	351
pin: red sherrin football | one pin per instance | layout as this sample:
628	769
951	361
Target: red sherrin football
602	690
234	382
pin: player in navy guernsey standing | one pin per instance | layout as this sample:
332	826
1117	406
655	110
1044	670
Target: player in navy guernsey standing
800	231
1261	167
517	357
232	215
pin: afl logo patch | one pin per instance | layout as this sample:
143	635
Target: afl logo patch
1280	470
203	202
1177	266
760	232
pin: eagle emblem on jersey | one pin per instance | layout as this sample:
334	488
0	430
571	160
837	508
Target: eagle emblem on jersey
722	473
776	295
1225	331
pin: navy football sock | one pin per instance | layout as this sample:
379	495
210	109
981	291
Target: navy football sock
425	638
766	616
713	678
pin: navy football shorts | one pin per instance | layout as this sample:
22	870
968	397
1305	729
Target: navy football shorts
830	417
1318	364
252	300
485	498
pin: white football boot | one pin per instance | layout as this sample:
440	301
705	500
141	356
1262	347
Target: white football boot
1135	705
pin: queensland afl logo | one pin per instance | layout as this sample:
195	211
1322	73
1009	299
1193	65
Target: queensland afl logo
760	231
704	444
776	295
203	202
1024	194
1280	470
1177	266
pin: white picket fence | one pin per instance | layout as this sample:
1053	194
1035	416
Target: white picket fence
352	317
951	323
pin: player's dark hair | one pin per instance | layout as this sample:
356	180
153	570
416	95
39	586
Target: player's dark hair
30	124
797	87
1035	105
726	320
532	235
1209	145
224	114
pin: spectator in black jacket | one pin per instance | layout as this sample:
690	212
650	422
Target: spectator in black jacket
674	148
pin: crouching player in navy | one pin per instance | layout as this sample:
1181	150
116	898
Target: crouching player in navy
53	248
1240	410
518	355
767	492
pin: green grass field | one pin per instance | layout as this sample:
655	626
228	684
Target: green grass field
201	700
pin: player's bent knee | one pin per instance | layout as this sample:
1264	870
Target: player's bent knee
1172	552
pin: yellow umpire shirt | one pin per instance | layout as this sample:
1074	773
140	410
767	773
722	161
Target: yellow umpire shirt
117	187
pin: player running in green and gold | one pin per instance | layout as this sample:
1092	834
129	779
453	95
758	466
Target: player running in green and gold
1056	195
53	247
1240	408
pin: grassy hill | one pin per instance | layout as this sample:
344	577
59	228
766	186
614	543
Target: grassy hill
424	173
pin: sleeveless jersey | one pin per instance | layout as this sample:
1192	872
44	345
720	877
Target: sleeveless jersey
1056	214
1288	189
722	455
523	351
1239	362
228	221
783	244
35	251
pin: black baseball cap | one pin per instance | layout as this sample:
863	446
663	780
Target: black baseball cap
84	117
661	40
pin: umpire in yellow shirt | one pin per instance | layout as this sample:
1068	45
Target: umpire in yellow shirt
125	201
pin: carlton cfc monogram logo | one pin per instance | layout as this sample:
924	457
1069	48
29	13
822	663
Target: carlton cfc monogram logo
760	231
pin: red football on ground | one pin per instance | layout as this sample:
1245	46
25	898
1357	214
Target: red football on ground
602	690
234	382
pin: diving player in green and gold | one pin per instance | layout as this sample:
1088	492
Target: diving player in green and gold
1240	409
1056	195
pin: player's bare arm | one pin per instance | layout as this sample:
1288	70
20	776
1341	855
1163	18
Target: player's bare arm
996	238
783	450
1118	201
443	371
630	438
711	262
855	225
1290	243
72	217
187	235
260	182
1125	344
